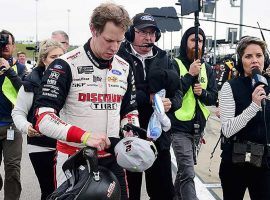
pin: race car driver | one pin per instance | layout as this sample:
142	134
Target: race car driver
94	89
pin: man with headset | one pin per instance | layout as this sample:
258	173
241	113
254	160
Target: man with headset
148	61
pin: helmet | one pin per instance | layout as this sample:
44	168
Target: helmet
107	187
86	180
135	154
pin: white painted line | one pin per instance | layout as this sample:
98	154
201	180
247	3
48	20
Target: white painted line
212	185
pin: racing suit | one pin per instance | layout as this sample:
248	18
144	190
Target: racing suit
93	95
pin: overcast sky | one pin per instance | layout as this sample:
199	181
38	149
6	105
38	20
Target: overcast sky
19	17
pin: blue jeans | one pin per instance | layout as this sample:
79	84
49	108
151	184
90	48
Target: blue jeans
182	144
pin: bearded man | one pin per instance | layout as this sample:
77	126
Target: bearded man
199	90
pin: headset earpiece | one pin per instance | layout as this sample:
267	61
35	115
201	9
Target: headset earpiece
266	60
130	34
158	34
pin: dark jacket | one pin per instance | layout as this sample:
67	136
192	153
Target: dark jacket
31	83
257	129
208	97
158	62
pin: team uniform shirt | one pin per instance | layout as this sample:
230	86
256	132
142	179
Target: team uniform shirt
91	97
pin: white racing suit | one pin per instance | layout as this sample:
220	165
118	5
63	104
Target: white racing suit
93	96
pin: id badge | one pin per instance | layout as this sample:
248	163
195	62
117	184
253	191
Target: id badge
10	134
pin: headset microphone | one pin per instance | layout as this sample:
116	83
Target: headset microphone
258	79
145	45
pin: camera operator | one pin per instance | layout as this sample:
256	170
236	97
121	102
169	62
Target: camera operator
10	137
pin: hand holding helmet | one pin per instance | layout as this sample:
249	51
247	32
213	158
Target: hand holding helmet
97	140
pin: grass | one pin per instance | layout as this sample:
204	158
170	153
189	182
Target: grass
22	47
29	53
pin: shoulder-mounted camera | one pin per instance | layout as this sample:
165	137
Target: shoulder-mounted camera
3	40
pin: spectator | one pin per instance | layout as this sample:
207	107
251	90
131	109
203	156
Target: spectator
41	148
61	37
21	57
188	122
94	90
10	137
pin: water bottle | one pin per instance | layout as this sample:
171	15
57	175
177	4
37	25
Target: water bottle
162	93
154	127
160	112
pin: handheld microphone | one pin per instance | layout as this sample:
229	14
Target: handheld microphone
258	79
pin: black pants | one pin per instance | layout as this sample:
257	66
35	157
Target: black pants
158	178
236	179
43	163
12	153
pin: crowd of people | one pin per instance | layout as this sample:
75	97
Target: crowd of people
84	97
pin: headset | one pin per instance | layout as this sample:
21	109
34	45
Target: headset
130	34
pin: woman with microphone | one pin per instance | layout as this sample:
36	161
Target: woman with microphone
246	126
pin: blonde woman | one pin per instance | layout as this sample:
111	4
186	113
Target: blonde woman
41	148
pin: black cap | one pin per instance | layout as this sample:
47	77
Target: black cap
144	20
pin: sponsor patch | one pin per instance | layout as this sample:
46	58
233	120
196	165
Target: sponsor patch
97	97
49	94
147	18
54	75
104	106
85	69
97	79
56	120
57	67
113	79
121	61
81	79
77	85
73	56
116	72
51	82
111	189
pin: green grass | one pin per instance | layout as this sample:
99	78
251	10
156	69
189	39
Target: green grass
22	47
29	53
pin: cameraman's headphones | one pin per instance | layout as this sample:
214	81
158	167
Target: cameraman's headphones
130	34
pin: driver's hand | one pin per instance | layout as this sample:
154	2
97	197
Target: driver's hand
97	140
128	133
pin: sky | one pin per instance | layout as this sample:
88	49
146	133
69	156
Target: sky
20	18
